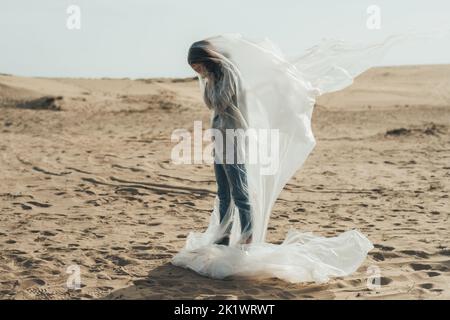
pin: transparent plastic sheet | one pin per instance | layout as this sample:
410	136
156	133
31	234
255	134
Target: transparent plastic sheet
270	92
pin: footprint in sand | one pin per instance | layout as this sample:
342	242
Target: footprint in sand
48	233
384	248
385	281
416	253
426	285
377	256
23	206
420	267
32	282
38	204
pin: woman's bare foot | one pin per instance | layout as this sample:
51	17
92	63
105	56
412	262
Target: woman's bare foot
247	240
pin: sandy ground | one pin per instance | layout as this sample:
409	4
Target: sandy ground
86	179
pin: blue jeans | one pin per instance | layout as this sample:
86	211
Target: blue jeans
232	182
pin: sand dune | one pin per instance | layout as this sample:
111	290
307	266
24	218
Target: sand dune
87	180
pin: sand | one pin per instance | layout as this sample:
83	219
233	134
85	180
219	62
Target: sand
86	180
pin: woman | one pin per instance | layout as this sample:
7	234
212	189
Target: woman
279	97
223	95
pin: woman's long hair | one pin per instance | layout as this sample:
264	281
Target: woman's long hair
222	83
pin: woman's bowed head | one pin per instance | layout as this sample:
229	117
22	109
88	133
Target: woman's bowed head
203	60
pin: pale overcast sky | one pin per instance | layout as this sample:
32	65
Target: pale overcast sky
150	38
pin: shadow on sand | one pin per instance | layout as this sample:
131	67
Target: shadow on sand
171	282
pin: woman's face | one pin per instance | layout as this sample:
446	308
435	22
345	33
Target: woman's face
200	69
